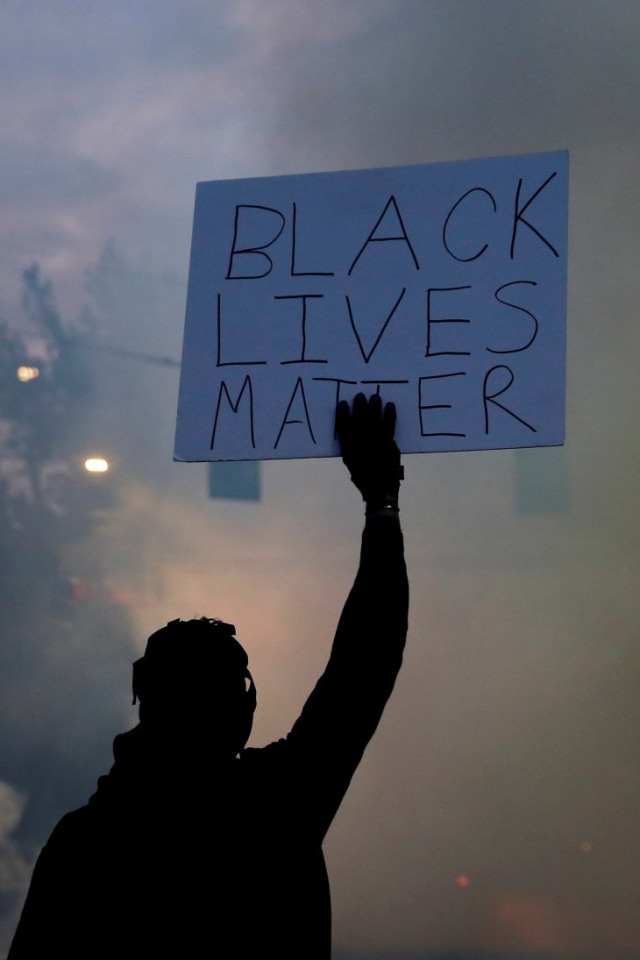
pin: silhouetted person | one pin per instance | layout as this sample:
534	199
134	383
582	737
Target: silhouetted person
192	845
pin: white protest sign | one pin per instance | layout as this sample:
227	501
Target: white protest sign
443	286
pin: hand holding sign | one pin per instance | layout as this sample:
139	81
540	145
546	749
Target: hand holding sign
369	452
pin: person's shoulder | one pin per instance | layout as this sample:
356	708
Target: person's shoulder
72	827
258	758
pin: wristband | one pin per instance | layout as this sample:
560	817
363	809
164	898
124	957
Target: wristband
387	507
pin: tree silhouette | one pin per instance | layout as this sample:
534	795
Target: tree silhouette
64	644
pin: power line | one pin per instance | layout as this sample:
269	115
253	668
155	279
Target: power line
123	352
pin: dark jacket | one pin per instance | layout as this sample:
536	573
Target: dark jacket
175	858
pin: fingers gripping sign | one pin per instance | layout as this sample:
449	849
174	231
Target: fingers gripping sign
365	433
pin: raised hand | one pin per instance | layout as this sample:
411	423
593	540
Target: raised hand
365	433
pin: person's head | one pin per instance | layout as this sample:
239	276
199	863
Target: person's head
194	678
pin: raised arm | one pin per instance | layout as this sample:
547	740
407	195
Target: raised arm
345	707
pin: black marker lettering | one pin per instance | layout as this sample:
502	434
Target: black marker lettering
234	407
436	406
256	251
338	383
445	242
430	321
401	236
367	356
518	218
304	297
230	363
299	386
382	383
302	273
515	306
488	398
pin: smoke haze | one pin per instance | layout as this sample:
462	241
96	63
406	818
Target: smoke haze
509	751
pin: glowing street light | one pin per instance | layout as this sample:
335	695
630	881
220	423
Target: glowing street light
24	374
96	465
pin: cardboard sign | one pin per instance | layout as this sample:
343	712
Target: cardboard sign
442	286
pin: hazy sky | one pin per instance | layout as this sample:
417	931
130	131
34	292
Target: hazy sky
509	753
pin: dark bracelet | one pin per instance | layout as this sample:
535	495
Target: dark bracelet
385	507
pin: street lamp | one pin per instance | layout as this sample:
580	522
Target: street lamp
96	465
25	373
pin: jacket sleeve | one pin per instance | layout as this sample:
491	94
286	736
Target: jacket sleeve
50	901
343	711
